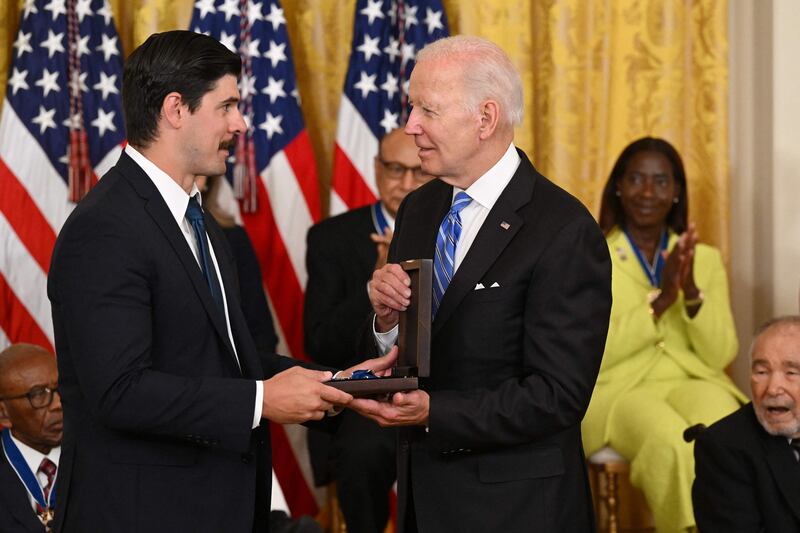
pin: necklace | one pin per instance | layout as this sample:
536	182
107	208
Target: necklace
651	269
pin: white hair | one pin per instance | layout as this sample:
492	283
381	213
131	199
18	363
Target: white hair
781	322
488	74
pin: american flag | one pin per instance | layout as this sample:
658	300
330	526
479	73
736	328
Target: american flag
42	105
275	176
386	38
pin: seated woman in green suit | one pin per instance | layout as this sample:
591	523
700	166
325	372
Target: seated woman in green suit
671	332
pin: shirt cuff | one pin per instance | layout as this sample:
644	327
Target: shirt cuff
386	340
259	404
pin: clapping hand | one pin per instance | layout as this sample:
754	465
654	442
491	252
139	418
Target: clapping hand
678	273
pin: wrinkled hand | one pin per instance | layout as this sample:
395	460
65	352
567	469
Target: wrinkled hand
389	293
382	243
403	409
298	395
380	366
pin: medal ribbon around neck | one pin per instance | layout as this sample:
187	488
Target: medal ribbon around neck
24	473
652	271
378	220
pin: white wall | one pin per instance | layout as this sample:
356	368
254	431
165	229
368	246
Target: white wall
786	156
765	165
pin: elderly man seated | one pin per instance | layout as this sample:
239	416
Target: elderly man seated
30	411
748	464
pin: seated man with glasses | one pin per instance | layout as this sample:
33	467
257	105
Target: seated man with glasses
342	253
32	420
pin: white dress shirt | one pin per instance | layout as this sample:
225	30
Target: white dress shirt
177	201
33	458
484	193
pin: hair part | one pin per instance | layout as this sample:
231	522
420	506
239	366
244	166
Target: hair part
489	74
611	212
179	61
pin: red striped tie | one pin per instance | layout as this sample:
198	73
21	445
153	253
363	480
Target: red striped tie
48	468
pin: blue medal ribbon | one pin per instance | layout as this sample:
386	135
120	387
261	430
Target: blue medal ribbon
24	473
378	220
652	271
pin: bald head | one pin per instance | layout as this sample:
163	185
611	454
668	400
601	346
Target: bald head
29	405
18	355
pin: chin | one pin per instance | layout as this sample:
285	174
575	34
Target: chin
788	429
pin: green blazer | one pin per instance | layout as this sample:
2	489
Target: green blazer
702	346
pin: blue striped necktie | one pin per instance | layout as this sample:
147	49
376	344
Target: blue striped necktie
195	215
446	240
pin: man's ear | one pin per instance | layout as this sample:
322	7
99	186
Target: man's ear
174	109
5	420
489	112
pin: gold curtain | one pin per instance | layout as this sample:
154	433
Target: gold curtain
597	75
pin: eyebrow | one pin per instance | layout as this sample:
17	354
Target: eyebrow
230	100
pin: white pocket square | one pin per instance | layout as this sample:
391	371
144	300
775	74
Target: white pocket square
479	286
494	285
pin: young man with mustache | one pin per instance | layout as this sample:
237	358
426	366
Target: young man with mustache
166	399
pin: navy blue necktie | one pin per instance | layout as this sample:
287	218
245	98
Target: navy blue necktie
446	240
195	215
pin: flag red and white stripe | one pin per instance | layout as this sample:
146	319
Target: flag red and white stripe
386	37
275	177
34	138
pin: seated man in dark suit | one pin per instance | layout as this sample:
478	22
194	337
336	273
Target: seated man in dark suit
342	252
30	411
748	464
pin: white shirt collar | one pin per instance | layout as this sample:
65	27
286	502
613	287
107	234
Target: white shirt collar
487	189
389	218
33	458
176	198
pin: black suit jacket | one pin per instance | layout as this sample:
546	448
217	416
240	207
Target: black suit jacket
254	302
16	513
747	480
340	259
157	412
512	367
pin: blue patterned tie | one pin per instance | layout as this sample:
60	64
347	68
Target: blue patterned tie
446	240
195	215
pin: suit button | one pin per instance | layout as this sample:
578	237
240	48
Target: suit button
247	457
660	345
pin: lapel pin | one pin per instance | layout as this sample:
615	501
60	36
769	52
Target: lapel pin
505	225
622	255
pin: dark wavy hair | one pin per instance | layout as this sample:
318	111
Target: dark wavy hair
611	212
181	61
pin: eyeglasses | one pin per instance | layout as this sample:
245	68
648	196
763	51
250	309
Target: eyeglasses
396	171
38	397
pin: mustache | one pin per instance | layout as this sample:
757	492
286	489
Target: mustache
227	145
786	404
